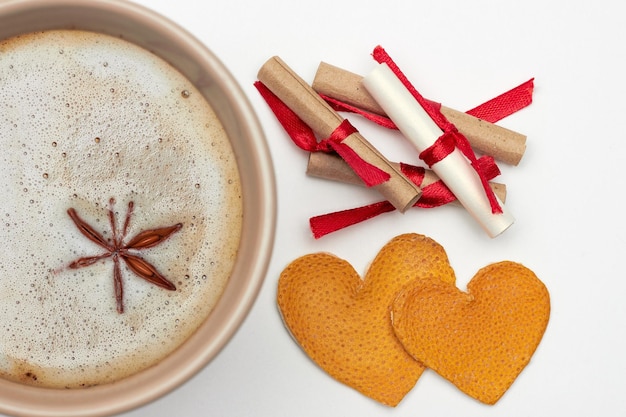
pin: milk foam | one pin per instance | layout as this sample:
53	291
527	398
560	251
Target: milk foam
84	118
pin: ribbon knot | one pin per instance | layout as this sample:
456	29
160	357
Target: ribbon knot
337	136
370	174
443	146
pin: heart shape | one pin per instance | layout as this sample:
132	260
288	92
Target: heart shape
479	340
342	322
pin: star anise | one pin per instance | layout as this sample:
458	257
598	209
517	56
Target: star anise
115	248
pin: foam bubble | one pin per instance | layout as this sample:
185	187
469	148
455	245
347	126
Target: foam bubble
83	118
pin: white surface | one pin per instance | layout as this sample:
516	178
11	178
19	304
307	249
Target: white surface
570	229
422	131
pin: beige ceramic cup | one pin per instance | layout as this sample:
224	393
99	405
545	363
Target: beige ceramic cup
167	40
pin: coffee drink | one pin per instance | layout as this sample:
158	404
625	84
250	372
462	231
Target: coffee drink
100	140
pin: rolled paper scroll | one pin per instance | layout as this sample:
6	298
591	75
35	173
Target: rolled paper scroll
331	167
503	144
294	92
454	169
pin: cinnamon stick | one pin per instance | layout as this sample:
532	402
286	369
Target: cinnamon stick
503	144
300	97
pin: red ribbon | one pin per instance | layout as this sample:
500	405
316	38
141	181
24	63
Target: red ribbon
433	195
304	137
339	105
441	148
506	103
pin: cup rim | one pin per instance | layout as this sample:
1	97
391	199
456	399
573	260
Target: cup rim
147	28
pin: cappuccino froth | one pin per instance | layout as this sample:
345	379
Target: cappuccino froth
84	118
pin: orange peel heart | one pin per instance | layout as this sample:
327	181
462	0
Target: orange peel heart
480	340
343	322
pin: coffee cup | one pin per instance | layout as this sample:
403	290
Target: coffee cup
138	206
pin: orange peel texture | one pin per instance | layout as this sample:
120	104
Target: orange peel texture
343	323
479	340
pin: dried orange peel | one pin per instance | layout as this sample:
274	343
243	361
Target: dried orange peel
479	340
343	322
378	334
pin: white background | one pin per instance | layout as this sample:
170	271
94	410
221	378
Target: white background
565	194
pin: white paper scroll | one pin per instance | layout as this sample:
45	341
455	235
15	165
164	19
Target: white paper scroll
455	169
